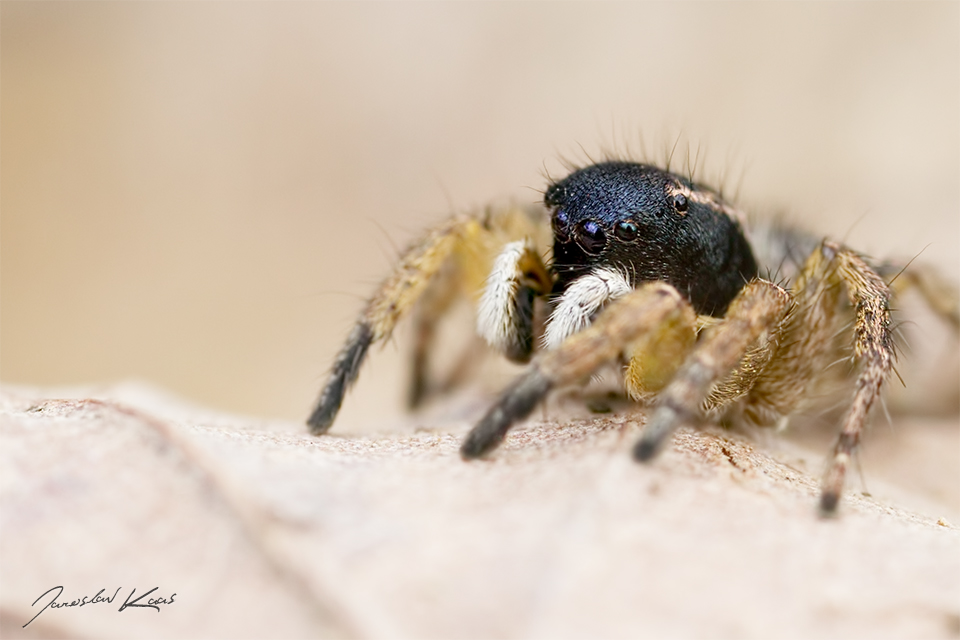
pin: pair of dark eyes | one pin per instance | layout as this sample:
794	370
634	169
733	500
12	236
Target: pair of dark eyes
589	234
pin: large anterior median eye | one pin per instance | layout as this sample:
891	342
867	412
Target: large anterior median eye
590	236
626	230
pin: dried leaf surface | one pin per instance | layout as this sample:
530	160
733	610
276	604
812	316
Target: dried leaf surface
262	530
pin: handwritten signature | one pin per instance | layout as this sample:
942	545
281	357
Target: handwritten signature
129	603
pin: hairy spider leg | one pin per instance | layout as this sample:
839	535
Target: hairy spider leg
651	313
432	306
806	343
740	382
939	293
755	312
581	301
654	357
505	312
395	297
807	346
874	351
463	244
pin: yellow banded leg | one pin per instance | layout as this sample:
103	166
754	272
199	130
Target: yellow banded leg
651	310
758	308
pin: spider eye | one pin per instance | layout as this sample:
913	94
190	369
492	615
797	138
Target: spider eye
561	226
590	236
626	230
680	202
554	195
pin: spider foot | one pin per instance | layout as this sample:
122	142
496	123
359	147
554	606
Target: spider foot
342	375
663	422
514	405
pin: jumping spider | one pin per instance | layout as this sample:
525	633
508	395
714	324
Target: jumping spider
653	272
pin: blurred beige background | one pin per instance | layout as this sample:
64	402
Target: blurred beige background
201	195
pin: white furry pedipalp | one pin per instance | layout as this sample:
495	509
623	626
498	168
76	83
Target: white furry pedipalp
497	320
582	299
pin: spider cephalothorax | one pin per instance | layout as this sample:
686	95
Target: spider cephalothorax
651	225
655	273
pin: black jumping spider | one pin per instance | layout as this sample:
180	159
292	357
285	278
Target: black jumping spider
662	276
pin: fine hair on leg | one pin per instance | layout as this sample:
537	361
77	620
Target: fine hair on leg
757	309
651	309
874	352
505	311
806	345
937	291
461	246
432	306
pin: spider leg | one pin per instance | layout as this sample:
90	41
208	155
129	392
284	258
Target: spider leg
463	244
649	313
940	294
433	305
874	350
740	382
757	310
505	314
394	299
505	311
806	341
807	345
576	308
654	358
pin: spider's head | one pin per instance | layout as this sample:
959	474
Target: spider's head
649	224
